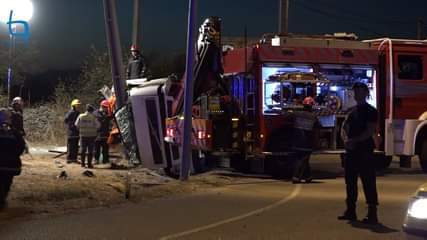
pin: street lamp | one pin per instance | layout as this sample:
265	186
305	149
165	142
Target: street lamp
14	10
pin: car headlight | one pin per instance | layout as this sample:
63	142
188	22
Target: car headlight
418	208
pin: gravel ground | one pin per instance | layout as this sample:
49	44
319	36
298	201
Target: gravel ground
40	191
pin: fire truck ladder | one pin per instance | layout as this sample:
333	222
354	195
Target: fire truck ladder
250	113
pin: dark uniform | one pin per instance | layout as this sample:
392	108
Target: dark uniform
304	123
136	67
12	145
72	135
101	144
17	120
359	159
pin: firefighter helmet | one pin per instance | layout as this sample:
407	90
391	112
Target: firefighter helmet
16	100
105	103
134	47
308	101
75	102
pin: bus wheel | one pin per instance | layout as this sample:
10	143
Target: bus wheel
423	156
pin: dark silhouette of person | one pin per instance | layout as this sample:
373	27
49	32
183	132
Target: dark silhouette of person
136	65
357	133
304	124
101	145
12	145
72	131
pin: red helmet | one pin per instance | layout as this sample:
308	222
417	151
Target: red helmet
134	47
105	103
308	101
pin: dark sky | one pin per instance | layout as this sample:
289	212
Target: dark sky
63	30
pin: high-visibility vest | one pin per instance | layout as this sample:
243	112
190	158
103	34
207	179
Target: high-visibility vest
87	125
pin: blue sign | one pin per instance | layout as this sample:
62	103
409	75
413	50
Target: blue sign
13	31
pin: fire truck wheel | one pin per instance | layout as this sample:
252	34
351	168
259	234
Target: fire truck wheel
239	162
382	161
201	161
423	156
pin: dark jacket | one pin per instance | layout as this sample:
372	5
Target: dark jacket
70	118
105	121
136	67
17	120
12	145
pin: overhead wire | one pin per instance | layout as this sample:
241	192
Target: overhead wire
335	16
360	17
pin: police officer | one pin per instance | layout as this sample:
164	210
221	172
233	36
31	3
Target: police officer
72	131
357	133
12	145
101	145
136	65
88	125
304	124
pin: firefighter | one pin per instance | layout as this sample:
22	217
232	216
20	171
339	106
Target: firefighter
72	131
304	124
357	133
88	126
136	65
101	145
12	145
17	119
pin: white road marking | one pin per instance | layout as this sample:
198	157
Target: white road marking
294	194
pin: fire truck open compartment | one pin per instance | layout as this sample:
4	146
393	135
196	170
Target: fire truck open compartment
331	90
341	78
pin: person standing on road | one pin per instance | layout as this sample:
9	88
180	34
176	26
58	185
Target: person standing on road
304	123
88	125
101	145
357	133
72	131
12	145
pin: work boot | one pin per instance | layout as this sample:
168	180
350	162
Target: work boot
296	180
372	217
349	214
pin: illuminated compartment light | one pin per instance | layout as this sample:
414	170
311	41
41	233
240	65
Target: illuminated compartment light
369	73
334	88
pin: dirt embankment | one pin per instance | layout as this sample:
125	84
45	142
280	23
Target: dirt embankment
39	190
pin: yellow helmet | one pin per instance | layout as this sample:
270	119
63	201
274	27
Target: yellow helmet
75	102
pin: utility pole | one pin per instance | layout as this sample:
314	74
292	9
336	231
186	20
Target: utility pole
420	26
283	16
186	153
136	31
115	50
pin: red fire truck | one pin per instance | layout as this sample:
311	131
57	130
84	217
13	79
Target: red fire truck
241	107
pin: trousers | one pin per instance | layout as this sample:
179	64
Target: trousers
87	145
72	148
359	163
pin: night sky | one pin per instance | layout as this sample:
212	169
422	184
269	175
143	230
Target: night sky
63	30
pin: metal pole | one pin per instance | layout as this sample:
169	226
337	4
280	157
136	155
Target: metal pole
10	68
188	93
136	36
420	25
114	48
283	16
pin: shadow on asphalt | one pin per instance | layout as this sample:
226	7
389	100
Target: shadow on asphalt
379	228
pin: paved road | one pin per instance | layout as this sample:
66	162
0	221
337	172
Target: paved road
258	209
